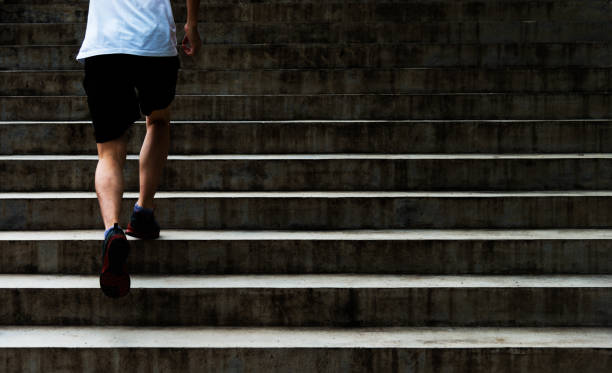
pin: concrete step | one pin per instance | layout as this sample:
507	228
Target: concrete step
311	300
451	106
339	11
358	136
321	210
418	252
378	32
197	349
323	172
333	81
317	55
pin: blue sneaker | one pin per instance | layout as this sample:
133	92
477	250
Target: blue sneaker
142	224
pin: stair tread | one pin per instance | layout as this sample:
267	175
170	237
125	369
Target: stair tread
331	121
320	194
352	235
248	337
350	69
315	156
318	281
551	93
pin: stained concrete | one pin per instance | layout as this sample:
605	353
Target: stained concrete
303	136
367	11
340	107
357	32
332	360
296	252
555	56
322	210
321	172
352	55
312	300
330	81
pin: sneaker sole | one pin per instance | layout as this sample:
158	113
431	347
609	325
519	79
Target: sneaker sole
142	236
115	282
115	285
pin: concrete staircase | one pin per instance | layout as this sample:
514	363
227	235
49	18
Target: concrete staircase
354	185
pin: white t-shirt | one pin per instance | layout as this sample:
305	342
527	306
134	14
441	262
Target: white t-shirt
139	27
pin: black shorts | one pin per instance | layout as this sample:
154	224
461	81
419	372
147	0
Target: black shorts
121	86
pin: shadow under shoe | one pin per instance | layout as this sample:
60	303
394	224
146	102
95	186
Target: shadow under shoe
143	225
115	279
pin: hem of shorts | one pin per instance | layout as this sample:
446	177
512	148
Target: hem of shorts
136	52
103	139
166	104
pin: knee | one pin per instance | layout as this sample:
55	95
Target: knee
113	151
158	122
159	119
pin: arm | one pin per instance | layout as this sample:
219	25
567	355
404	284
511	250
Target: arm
192	41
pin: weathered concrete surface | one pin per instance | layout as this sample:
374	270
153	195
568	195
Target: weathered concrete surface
330	81
341	11
321	172
295	137
379	32
265	252
321	210
264	360
538	50
338	107
371	55
315	300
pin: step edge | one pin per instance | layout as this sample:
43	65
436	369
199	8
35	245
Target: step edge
54	282
249	337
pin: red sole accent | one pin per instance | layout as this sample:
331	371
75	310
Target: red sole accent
106	264
130	232
115	285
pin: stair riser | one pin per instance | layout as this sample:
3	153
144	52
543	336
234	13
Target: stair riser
332	360
597	10
383	32
327	137
27	83
323	213
329	175
262	56
313	256
312	307
337	107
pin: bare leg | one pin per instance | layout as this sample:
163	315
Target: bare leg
153	155
109	178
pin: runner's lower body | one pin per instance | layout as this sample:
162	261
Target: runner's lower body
119	88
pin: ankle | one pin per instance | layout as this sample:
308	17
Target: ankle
146	208
109	228
111	225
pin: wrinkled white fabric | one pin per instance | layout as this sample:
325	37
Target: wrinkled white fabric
138	27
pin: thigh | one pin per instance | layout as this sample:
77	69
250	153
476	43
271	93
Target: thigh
156	83
111	95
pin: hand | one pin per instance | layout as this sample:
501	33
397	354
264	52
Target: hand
191	41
